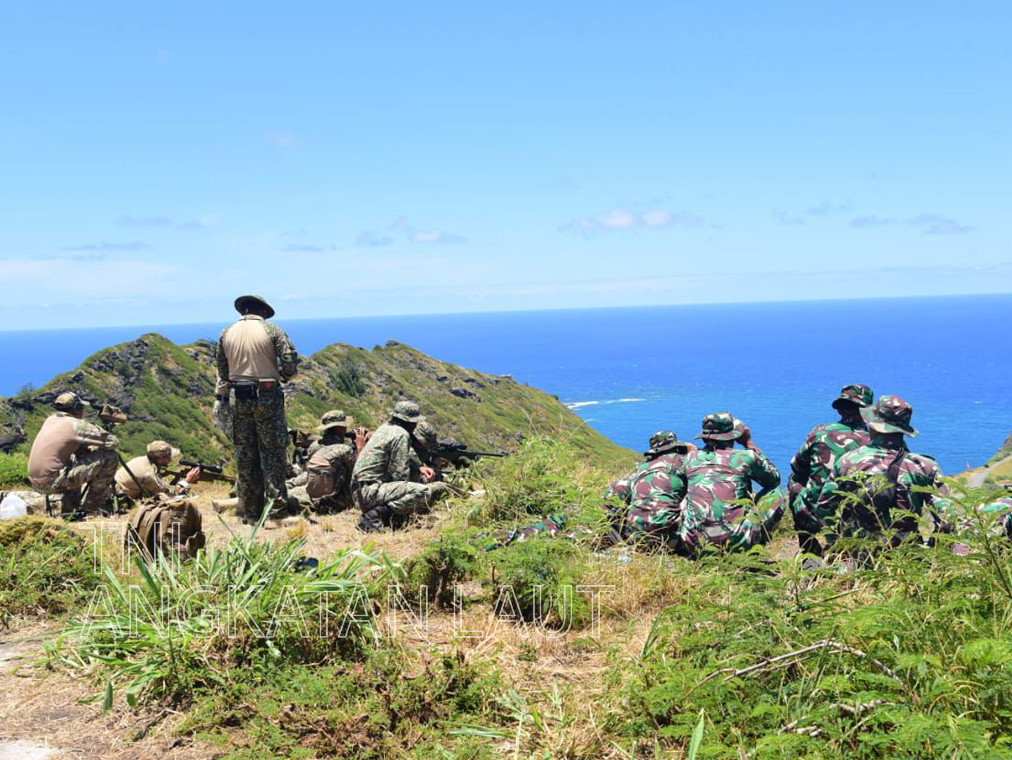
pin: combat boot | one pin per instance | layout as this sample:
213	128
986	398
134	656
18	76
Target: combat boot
375	520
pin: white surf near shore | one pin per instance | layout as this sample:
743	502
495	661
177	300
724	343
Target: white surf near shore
578	404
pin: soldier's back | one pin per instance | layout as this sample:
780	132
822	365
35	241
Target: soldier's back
371	465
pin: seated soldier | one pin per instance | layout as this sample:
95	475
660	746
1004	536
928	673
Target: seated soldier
648	506
73	458
717	476
328	475
333	428
813	464
662	442
876	489
141	477
382	482
656	491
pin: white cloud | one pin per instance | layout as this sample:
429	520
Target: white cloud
625	219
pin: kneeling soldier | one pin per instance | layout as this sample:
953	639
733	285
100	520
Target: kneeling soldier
384	480
74	458
142	477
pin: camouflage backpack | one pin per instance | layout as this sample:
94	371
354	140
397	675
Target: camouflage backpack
172	525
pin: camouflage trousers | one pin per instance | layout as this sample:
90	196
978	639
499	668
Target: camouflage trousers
755	527
401	497
260	436
654	523
96	470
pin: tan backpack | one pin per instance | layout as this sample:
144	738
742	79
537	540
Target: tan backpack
172	525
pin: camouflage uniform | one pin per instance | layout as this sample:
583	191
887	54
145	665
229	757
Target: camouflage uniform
385	482
661	442
553	526
813	464
715	477
73	457
642	505
655	505
328	481
260	431
869	482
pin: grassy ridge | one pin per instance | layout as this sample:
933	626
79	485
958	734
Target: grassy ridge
168	392
907	656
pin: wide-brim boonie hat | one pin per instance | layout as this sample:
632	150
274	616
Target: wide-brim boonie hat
890	415
859	395
243	302
719	427
347	422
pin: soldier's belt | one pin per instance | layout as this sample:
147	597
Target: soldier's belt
248	389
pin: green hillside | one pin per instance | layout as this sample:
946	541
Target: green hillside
168	391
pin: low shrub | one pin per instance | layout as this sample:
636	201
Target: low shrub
14	471
543	574
454	559
241	605
543	477
45	568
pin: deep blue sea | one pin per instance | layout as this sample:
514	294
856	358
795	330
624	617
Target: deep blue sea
634	371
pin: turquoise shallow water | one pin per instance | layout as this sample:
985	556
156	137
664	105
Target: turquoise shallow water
634	371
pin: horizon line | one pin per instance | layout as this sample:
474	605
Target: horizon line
689	304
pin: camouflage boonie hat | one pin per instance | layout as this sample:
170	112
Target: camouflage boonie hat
160	449
719	427
890	415
662	441
407	411
244	302
426	435
69	402
861	395
335	418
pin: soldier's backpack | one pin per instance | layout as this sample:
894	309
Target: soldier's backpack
168	525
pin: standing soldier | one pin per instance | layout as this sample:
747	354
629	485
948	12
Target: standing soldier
868	483
813	464
74	458
255	357
385	480
717	476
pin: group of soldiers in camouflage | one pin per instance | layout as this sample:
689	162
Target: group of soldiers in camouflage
381	473
855	477
852	477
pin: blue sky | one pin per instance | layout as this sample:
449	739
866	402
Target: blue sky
389	158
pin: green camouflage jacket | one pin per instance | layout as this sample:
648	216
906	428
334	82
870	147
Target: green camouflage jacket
814	462
860	493
715	479
387	457
656	492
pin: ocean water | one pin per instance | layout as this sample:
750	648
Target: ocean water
630	372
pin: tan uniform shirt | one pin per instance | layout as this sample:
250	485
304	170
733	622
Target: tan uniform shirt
147	475
253	349
60	437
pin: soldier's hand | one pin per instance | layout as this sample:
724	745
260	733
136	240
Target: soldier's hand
428	474
193	475
746	437
361	438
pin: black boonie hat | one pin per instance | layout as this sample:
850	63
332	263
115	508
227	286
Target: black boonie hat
243	302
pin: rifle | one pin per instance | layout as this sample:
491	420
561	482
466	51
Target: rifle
208	472
459	455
